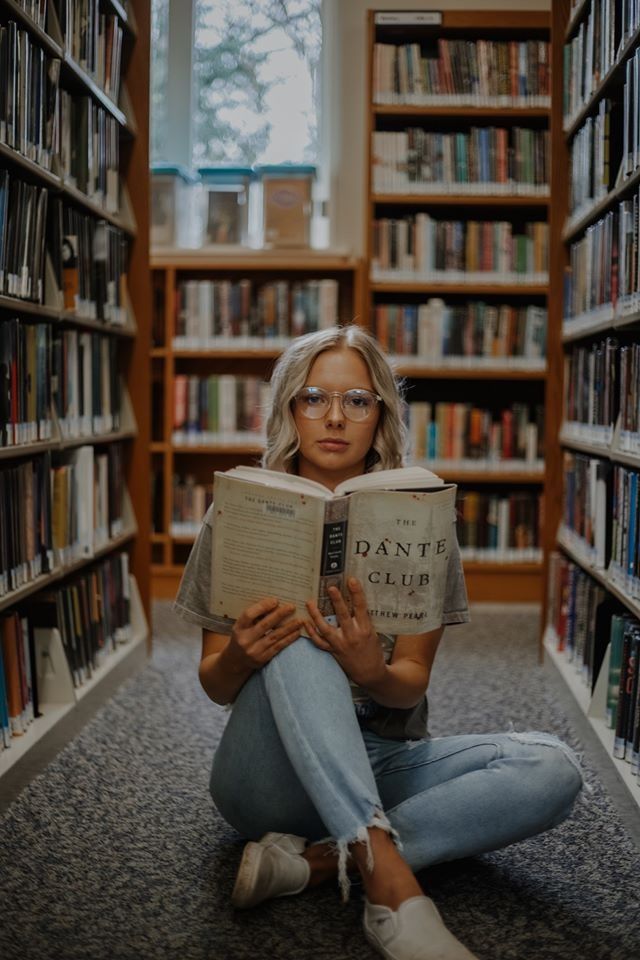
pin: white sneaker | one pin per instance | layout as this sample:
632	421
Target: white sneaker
270	868
415	931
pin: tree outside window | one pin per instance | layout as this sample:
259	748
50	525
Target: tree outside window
255	81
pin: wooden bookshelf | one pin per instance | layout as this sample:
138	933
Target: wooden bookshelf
60	720
170	268
470	377
616	318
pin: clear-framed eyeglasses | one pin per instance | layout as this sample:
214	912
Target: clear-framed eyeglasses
314	403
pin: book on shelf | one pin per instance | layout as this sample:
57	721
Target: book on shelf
480	160
93	39
421	246
499	528
462	431
25	382
221	406
87	383
26	543
580	613
286	536
591	391
586	504
475	331
23	218
190	502
465	71
29	96
590	55
225	312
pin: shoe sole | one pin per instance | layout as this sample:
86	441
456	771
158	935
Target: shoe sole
241	895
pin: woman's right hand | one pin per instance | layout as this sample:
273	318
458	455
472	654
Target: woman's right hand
261	631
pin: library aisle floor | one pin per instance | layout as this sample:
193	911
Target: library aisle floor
115	853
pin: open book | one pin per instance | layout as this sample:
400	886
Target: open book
276	534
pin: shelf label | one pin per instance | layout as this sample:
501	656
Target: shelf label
431	18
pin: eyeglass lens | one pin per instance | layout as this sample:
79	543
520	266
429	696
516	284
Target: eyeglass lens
315	403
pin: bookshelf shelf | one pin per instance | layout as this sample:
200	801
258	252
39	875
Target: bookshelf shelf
469	199
580	556
28	449
32	170
211	260
75	72
127	553
80	198
465	112
15	305
257	353
442	289
98	438
220	449
407	368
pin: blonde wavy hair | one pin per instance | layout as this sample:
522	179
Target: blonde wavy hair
290	375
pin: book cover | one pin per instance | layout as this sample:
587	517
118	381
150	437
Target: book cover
281	535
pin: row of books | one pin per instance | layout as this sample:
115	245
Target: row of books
25	382
219	408
29	96
87	386
23	222
630	131
592	395
579	620
586	508
585	623
94	40
89	261
590	55
87	502
37	10
26	545
423	247
88	256
476	436
211	312
89	150
436	331
590	163
463	71
190	502
514	160
499	527
624	517
592	276
90	615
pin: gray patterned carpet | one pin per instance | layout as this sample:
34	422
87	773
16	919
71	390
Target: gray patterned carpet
115	853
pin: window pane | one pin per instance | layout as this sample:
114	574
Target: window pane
256	81
159	57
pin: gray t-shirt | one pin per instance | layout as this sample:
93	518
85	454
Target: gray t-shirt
192	603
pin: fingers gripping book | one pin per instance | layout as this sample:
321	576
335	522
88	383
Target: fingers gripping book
276	534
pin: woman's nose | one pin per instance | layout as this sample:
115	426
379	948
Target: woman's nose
335	413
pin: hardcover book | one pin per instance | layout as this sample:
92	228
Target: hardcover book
281	535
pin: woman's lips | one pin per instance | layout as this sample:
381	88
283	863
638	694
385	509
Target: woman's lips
333	444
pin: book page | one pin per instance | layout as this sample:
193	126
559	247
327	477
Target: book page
398	546
266	543
400	478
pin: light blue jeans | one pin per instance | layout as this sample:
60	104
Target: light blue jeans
294	759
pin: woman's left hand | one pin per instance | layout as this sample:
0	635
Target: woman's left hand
353	642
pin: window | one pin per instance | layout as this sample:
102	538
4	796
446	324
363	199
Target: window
255	81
